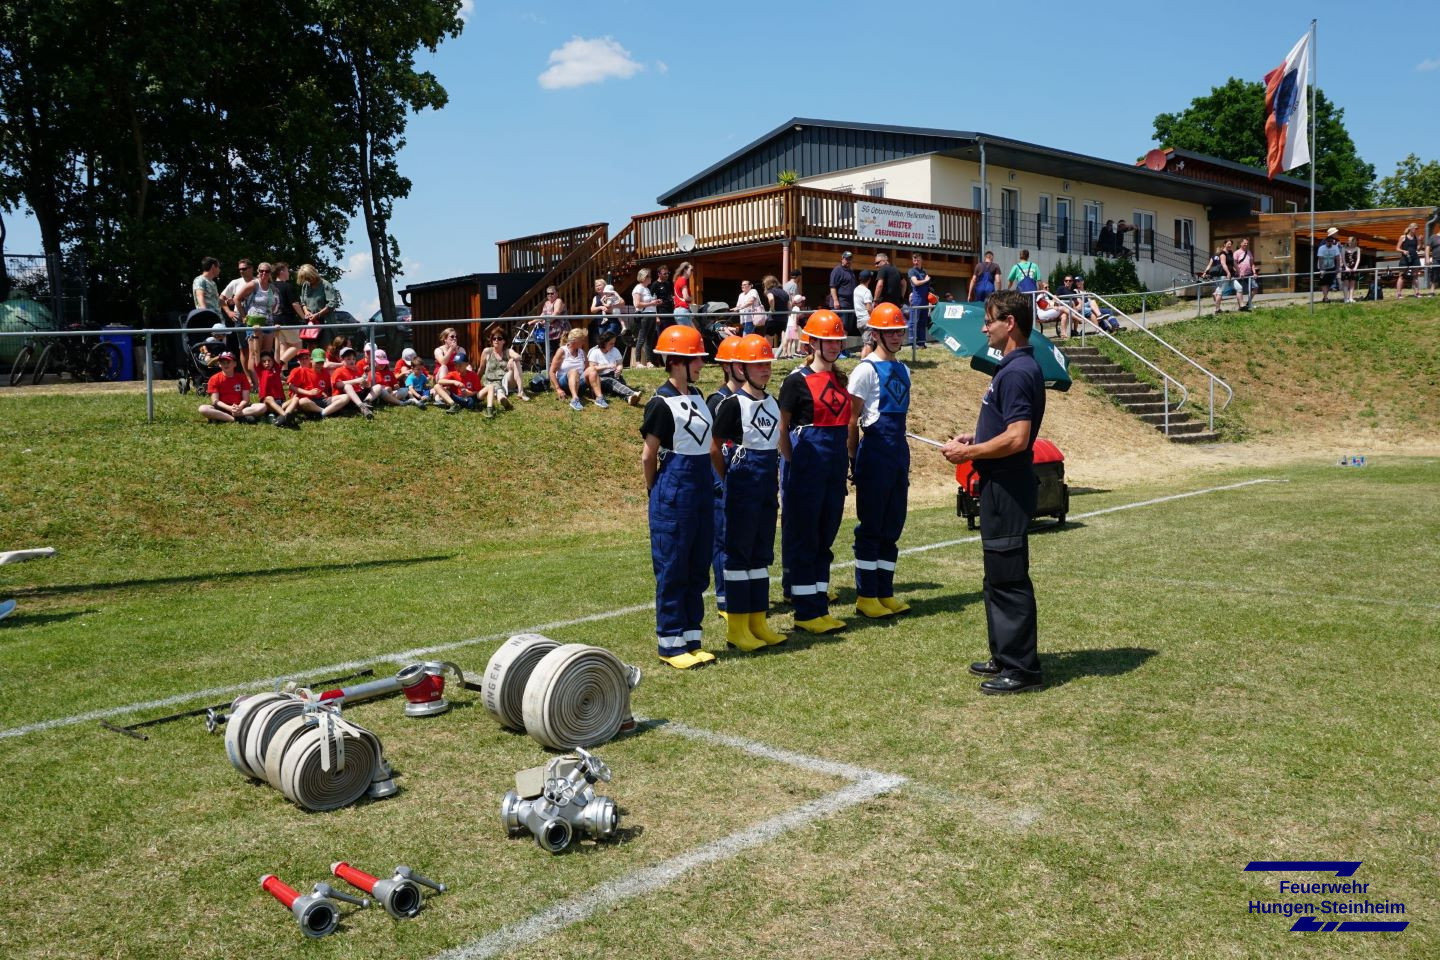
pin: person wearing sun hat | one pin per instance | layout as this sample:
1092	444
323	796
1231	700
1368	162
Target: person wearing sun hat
383	389
677	464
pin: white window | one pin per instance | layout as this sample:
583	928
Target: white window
847	188
1044	203
875	188
976	201
1292	206
1144	224
1062	225
1091	211
1184	233
1009	217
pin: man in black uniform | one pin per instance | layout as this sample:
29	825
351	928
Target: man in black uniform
1009	421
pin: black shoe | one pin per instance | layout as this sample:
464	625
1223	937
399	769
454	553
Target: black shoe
271	419
250	420
1010	685
987	668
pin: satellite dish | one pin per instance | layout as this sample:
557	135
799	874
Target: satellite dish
686	242
1156	160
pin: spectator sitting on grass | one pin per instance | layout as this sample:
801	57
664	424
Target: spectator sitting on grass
568	370
346	382
1087	306
332	353
229	392
383	387
449	344
495	373
271	391
605	360
307	389
462	383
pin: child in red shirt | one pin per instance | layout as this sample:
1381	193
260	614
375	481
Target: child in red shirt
345	383
229	392
271	390
307	389
461	382
384	385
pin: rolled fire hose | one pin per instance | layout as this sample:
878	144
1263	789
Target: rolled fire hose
509	669
578	696
306	751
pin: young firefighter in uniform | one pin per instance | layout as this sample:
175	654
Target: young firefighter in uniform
679	467
749	420
814	440
880	386
725	356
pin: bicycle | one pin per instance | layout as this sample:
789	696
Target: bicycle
84	358
24	355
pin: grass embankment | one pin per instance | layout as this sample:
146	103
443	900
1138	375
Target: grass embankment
1235	676
1367	370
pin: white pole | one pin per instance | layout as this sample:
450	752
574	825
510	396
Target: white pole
1314	122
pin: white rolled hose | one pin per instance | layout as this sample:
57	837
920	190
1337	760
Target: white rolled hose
578	696
306	751
509	669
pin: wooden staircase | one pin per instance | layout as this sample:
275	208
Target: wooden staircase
1137	397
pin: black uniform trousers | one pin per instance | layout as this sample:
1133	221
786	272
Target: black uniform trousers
1007	501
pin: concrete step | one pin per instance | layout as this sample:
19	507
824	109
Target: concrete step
1120	390
1081	353
1184	427
1147	406
1095	366
1202	437
1112	379
1158	418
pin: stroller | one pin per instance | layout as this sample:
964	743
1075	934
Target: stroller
205	337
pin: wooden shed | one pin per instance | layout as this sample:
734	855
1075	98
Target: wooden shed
478	296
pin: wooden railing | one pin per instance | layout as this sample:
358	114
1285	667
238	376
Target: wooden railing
778	213
731	221
528	304
617	257
540	252
830	215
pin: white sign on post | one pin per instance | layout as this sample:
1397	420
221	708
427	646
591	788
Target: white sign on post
888	223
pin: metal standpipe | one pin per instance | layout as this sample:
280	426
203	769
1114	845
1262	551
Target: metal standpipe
149	378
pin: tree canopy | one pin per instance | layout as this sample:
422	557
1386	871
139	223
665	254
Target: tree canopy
1414	184
147	139
1229	123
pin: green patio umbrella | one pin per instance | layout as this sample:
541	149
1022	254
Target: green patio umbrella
958	325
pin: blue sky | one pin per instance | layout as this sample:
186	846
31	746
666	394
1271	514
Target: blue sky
639	96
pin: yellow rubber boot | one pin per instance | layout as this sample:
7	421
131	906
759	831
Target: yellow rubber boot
835	624
681	661
873	608
738	634
761	630
723	615
895	606
825	624
703	656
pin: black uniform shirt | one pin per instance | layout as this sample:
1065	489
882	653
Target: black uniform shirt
1016	393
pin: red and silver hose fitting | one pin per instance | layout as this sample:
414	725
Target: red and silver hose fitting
316	912
400	895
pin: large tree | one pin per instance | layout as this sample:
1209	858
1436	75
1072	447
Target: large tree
1229	123
1414	184
146	139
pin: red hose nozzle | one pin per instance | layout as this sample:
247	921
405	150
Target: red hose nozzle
399	895
317	915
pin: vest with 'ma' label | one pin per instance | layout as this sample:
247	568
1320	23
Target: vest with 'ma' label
759	422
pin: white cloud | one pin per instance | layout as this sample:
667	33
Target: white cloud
662	66
580	62
1432	64
467	7
357	283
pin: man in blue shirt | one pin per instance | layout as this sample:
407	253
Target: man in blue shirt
919	301
842	292
1009	422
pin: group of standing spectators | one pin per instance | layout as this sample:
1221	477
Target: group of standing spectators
853	298
262	298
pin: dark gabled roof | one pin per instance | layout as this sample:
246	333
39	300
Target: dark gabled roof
815	147
1237	167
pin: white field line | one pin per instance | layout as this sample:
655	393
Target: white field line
419	653
864	785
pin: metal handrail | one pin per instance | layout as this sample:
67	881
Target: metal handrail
1123	316
1165	378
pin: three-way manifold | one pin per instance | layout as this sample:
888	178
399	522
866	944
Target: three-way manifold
565	805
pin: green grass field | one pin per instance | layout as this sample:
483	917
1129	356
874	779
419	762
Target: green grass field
1244	674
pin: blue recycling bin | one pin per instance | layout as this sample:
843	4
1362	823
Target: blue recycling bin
126	346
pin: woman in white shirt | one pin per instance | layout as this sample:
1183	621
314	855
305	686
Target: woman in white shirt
606	361
645	304
751	309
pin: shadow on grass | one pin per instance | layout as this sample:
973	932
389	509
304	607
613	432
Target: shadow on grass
1066	665
38	619
1084	491
225	575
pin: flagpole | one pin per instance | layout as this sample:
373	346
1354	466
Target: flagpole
1314	122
